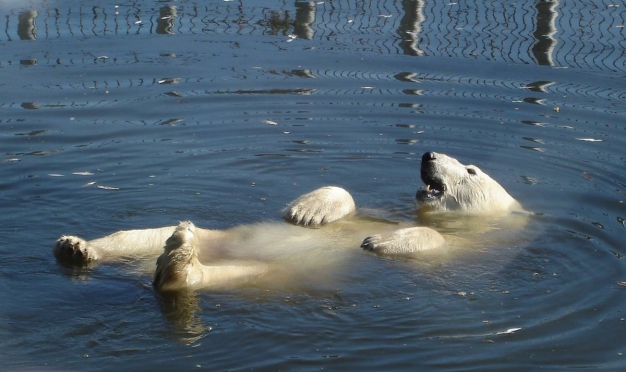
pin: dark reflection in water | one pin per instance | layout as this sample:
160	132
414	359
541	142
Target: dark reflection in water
271	91
522	32
181	309
543	50
539	86
165	22
28	62
76	273
281	22
30	105
277	22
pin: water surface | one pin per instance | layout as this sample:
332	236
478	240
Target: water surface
221	112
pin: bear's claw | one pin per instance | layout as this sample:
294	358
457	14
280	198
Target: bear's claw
368	244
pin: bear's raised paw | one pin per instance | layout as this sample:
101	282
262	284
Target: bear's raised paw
319	207
73	249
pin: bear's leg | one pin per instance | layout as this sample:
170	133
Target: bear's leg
179	268
404	241
120	244
319	207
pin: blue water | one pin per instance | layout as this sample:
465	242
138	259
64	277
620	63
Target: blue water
221	112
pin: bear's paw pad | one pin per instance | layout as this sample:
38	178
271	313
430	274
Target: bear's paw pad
73	249
319	207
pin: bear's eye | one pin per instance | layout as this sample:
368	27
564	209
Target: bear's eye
471	171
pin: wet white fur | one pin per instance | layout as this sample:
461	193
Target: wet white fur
473	192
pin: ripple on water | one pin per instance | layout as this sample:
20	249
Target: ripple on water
223	125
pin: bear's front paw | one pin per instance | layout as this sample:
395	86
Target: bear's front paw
404	241
379	244
73	249
319	207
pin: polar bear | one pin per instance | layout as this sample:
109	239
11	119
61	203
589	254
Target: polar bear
449	187
323	228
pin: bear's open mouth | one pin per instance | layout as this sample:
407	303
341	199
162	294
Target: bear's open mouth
433	188
432	191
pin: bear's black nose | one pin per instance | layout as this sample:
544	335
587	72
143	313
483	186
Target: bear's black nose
428	157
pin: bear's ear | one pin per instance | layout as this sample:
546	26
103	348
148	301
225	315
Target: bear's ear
471	170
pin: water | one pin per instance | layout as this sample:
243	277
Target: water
211	111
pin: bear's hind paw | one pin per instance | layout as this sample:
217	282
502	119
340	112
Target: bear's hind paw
73	249
372	243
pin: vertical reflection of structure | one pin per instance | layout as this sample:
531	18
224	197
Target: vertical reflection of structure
542	32
411	26
305	16
94	10
57	17
26	28
165	23
543	48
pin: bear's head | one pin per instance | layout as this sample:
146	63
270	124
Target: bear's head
452	186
